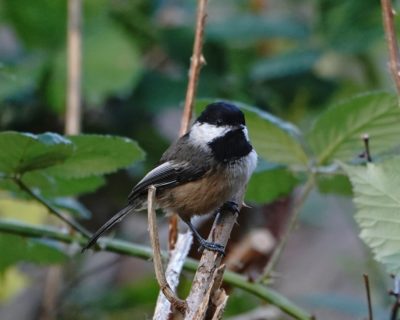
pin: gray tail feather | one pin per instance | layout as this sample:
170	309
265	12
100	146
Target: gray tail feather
109	224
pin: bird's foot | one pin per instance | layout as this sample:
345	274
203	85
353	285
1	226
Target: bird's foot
212	246
231	206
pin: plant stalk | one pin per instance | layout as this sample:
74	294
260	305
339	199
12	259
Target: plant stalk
135	250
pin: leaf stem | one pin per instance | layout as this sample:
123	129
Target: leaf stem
69	221
135	250
298	204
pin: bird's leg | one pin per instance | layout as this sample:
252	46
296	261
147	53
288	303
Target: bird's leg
204	243
231	206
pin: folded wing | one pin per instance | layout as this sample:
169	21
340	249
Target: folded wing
167	175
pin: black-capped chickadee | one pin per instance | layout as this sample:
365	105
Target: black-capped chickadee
199	173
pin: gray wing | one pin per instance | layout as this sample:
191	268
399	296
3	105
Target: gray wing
168	175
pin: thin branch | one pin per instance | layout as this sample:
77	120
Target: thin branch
219	298
70	222
135	250
207	307
388	23
210	262
368	292
196	62
298	204
73	109
155	243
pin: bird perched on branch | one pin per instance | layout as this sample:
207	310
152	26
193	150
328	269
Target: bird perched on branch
199	173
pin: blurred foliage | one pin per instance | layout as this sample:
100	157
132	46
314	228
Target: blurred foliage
12	282
291	59
23	249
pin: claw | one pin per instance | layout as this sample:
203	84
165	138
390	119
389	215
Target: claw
231	206
212	246
204	244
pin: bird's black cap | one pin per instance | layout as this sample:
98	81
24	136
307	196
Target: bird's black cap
222	114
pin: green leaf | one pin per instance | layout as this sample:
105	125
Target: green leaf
22	152
12	282
15	249
283	65
274	139
268	185
53	186
337	132
97	155
58	166
377	198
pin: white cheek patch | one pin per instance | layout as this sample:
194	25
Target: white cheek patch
203	133
245	132
252	162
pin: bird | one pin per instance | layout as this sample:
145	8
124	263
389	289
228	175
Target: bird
199	173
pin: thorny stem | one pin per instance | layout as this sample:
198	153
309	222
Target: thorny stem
298	204
72	223
134	250
197	61
388	23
